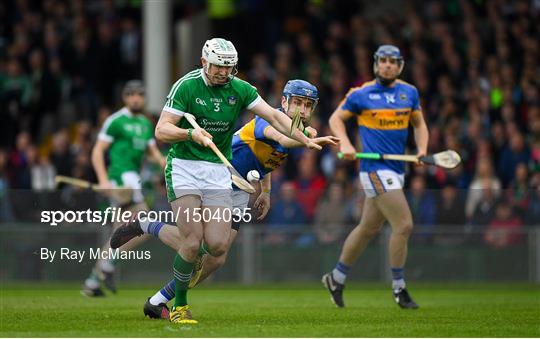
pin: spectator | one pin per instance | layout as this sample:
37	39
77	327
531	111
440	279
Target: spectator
484	210
534	163
42	171
532	217
514	153
451	207
450	215
18	166
15	92
505	229
130	50
285	216
484	176
519	192
107	59
423	208
44	95
83	168
310	184
61	156
330	217
83	141
6	213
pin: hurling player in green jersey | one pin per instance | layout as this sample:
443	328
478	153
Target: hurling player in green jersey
197	181
127	135
256	146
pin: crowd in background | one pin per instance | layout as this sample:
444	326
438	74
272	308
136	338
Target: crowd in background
475	65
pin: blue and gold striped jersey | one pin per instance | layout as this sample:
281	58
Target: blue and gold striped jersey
253	151
383	115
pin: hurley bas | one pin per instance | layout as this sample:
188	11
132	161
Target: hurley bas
65	253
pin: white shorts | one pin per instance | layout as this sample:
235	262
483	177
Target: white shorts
381	181
211	181
131	180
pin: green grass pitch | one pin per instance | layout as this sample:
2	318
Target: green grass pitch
447	310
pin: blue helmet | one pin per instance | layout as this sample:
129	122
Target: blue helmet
301	88
388	51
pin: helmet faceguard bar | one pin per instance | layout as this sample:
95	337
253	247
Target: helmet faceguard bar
399	60
314	100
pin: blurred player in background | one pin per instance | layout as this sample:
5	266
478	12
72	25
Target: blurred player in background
259	146
195	177
383	108
127	136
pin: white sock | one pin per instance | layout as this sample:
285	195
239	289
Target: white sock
144	224
158	298
339	276
91	283
398	284
106	266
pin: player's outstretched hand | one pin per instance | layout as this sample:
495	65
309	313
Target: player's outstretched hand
328	140
262	204
348	150
201	137
313	145
311	132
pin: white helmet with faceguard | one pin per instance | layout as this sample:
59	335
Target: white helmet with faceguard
220	52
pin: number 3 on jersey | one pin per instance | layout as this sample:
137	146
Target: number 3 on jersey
216	106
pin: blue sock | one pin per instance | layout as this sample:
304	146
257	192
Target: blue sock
168	290
164	295
398	278
154	228
339	273
397	273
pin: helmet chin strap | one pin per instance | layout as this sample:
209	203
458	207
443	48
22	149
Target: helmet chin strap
230	76
208	76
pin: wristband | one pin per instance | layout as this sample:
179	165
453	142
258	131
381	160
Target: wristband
190	134
305	132
266	190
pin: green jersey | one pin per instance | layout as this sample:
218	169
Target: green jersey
216	108
129	136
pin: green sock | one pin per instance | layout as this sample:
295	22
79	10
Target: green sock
93	280
182	273
94	276
203	250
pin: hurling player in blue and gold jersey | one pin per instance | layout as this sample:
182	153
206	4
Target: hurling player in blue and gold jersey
383	109
258	146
